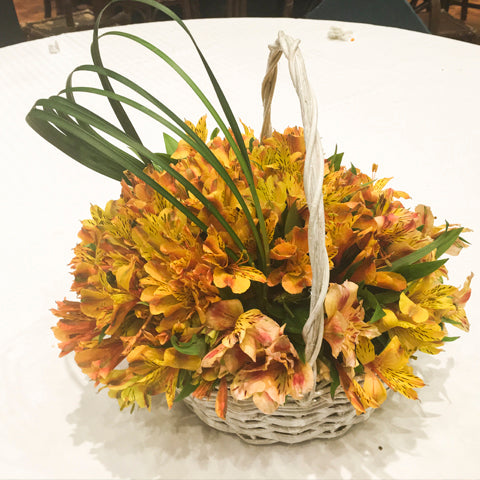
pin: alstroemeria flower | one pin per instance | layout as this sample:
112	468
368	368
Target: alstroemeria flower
295	271
391	367
74	327
262	360
344	323
270	381
226	274
442	301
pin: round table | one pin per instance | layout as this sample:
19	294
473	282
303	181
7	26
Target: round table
407	101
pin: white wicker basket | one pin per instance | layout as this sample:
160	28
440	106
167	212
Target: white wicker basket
293	422
317	416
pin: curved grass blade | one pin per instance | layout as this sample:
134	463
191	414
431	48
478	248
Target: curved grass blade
133	164
164	161
242	155
37	118
83	153
192	138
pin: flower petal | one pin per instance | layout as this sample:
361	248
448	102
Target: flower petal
223	315
264	403
222	398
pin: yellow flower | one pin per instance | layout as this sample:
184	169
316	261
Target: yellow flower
390	366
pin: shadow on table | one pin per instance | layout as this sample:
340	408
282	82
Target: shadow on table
175	444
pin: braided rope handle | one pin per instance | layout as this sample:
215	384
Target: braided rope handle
313	181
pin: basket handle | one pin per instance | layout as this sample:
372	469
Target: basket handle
313	181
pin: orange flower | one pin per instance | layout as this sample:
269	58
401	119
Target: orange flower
294	272
344	325
263	362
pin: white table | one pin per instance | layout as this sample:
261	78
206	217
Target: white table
405	100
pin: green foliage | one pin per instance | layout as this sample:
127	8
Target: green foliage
449	339
335	160
76	132
371	304
292	219
442	243
420	270
170	144
185	385
195	346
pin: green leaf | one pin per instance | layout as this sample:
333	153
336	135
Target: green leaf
371	303
335	160
214	133
442	243
387	297
377	314
359	370
187	389
293	313
293	316
449	239
293	218
449	339
420	270
170	144
450	321
299	343
184	383
196	346
301	314
353	169
102	334
98	160
335	380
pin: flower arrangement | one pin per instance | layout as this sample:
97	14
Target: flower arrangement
197	279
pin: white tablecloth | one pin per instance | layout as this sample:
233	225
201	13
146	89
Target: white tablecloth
407	101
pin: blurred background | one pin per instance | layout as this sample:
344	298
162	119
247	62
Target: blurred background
31	19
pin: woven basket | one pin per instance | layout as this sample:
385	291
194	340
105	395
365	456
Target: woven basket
317	415
293	422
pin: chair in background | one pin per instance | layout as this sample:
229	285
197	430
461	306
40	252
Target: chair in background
62	7
440	22
10	31
465	4
288	8
236	8
298	8
145	13
285	8
389	13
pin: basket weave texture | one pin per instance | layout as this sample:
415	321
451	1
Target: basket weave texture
293	422
317	415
